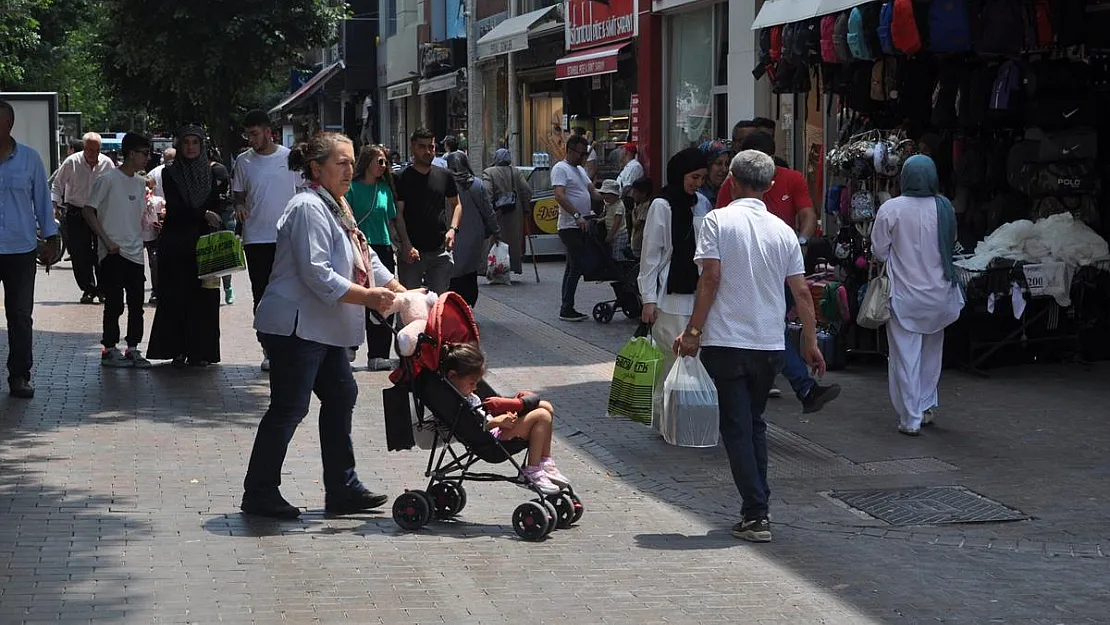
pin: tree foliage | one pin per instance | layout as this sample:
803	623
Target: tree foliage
19	38
206	60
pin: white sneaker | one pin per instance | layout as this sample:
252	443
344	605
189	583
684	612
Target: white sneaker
929	416
265	363
115	358
554	474
538	477
775	393
381	364
137	359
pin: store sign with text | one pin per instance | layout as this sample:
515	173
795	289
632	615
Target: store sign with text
595	22
586	67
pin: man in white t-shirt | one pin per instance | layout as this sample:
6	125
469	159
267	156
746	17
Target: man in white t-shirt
167	159
575	195
114	213
633	170
746	253
263	185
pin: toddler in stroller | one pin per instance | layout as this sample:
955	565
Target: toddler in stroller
444	377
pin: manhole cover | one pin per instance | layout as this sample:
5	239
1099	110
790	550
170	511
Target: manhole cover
928	506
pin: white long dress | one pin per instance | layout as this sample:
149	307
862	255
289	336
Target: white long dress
922	303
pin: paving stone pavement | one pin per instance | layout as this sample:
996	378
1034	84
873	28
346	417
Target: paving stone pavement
119	493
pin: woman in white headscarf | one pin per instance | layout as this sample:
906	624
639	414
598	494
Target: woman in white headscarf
512	196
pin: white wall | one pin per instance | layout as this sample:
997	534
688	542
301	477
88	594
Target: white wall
746	97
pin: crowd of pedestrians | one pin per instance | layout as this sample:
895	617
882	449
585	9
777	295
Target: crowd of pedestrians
330	238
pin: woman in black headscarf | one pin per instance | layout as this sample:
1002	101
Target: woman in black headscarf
477	225
668	275
187	322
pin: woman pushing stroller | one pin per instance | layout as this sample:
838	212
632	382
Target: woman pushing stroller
465	365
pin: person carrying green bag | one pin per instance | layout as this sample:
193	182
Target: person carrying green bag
637	371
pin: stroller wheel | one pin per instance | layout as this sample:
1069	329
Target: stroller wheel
448	499
552	515
564	510
412	510
603	312
530	521
578	507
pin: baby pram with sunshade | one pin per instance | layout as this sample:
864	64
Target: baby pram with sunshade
423	403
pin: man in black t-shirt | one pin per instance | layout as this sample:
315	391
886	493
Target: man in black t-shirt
428	216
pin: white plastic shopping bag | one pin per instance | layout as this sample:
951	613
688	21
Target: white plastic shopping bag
497	264
690	414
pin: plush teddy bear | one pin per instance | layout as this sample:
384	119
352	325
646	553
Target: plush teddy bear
414	307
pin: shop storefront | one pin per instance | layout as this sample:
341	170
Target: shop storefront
401	103
599	75
1008	115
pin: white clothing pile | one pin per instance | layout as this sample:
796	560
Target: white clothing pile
1057	238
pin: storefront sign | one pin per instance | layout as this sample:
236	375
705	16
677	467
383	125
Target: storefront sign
634	115
592	22
588	67
545	212
397	92
435	58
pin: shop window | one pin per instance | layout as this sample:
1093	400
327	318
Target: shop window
691	79
389	17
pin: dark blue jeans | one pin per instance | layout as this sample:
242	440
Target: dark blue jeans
299	368
575	241
794	368
743	378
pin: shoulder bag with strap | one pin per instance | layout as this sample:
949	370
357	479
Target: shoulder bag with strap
504	201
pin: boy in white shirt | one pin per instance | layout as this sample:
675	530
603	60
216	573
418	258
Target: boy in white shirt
114	212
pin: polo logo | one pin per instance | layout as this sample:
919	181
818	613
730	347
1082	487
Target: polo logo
1071	183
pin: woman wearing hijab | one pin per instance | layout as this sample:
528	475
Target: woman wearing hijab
187	322
914	234
668	275
477	225
325	277
512	196
717	162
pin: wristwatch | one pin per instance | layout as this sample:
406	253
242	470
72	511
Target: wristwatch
694	332
803	240
455	228
577	216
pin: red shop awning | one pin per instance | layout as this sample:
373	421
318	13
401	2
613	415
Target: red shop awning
592	62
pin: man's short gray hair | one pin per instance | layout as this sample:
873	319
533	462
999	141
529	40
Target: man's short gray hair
753	169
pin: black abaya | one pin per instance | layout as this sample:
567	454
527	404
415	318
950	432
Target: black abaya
187	321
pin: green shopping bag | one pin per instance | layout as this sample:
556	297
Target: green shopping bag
219	254
637	371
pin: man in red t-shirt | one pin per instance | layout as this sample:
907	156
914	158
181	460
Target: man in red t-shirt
788	198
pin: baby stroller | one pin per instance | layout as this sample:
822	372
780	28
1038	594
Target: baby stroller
446	419
621	275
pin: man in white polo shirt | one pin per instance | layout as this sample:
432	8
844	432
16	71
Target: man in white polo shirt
746	253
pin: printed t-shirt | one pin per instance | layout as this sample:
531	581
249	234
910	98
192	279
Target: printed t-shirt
119	201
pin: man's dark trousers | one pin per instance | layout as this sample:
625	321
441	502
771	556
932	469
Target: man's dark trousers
82	250
17	277
743	378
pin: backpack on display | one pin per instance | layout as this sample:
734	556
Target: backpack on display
832	200
871	13
946	95
1069	21
828	48
1062	110
1082	207
1057	76
904	33
886	15
975	94
1077	144
1039	180
776	44
884	80
840	39
949	26
1038	24
857	41
1003	23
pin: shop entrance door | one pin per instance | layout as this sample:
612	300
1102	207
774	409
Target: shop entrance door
547	127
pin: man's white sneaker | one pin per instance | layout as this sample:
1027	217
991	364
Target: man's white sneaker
554	474
137	359
381	364
115	358
775	393
538	477
265	363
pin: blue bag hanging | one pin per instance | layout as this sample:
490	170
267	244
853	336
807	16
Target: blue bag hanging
949	26
886	18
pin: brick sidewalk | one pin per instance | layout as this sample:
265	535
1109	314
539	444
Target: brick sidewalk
119	493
